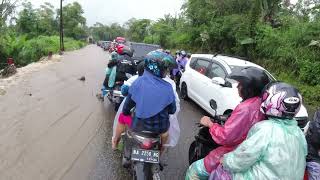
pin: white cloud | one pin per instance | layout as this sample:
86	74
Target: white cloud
109	11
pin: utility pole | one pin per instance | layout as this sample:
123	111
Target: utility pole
61	29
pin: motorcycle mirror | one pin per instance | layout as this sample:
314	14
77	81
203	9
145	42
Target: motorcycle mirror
213	105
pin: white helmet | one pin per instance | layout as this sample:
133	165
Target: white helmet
281	100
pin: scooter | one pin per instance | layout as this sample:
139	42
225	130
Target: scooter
141	154
203	143
113	95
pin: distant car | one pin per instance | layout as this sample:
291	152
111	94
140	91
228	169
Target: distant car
104	44
205	82
142	49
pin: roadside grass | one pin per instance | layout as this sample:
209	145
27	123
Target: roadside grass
25	51
38	47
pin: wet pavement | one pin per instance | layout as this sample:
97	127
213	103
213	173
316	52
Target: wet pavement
53	127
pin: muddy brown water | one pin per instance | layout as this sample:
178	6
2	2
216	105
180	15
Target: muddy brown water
53	127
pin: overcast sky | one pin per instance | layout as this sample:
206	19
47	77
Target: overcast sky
109	11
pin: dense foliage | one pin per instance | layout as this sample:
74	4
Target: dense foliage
33	33
283	37
279	35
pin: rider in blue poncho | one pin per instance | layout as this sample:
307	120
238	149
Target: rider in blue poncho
152	97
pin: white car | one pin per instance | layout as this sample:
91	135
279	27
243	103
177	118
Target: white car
204	81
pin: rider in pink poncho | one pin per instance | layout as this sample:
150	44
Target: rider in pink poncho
251	82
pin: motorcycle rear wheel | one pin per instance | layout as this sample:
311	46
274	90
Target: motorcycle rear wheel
193	152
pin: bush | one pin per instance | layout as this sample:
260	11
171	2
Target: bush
287	50
36	48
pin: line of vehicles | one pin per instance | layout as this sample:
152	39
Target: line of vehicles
141	151
204	80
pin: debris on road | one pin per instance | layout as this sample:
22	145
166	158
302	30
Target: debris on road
82	78
2	92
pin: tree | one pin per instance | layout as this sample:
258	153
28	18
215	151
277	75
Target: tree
7	7
73	21
27	22
138	29
47	24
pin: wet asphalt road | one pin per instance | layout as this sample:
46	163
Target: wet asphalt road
53	127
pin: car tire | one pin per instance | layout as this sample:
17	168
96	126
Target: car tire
184	91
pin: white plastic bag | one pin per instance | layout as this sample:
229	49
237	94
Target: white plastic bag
174	129
116	118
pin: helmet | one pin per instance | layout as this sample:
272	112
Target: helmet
251	79
114	56
183	54
188	55
178	53
140	68
157	62
167	51
281	100
122	50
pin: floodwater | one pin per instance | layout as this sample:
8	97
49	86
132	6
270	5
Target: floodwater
53	127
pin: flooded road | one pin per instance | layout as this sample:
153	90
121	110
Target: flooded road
53	127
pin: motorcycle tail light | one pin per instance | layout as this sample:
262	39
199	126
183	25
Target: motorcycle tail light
146	144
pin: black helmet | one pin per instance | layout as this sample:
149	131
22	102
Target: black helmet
251	79
189	55
280	100
167	51
140	68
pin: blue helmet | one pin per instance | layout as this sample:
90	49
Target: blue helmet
157	62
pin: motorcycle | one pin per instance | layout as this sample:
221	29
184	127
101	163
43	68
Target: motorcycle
113	95
124	72
203	143
141	154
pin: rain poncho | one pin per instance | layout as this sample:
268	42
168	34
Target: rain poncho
274	149
174	130
116	118
151	95
111	72
181	62
234	131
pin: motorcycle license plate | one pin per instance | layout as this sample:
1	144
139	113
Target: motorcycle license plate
142	155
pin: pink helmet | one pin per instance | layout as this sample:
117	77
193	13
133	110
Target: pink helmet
280	100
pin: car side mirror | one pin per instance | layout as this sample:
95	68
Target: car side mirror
222	82
218	80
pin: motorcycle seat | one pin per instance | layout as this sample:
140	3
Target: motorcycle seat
146	134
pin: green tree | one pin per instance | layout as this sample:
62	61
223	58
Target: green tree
73	21
27	22
47	24
7	8
138	29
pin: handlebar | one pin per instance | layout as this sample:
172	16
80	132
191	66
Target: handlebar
217	119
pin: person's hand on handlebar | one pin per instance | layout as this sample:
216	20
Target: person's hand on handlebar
206	121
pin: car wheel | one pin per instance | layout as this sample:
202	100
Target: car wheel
184	91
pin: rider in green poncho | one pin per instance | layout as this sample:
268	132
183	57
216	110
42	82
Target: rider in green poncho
274	148
111	71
